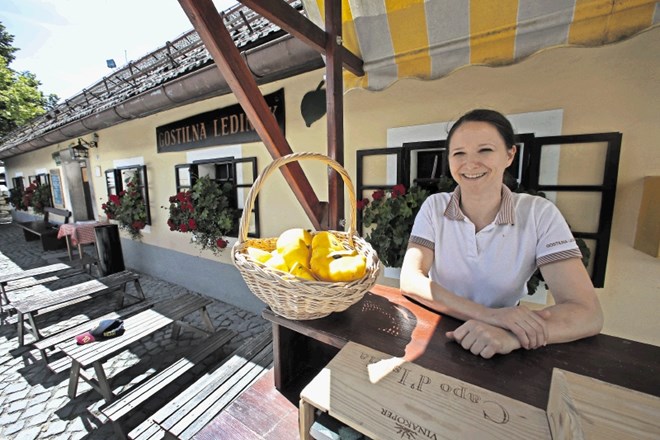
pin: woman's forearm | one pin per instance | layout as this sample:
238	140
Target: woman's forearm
572	321
436	297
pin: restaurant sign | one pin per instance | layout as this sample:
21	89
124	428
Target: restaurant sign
224	126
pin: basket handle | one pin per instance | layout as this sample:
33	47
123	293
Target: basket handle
276	164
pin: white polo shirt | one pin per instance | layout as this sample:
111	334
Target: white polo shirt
491	267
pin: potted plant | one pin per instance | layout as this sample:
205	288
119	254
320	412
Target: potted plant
41	198
128	208
390	216
16	199
205	212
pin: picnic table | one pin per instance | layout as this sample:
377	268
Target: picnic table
19	275
81	357
38	303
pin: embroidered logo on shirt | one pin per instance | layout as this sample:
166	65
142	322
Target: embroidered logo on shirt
560	242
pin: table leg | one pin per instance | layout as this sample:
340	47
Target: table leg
74	376
80	254
305	419
138	289
33	327
19	328
68	247
207	320
104	385
4	299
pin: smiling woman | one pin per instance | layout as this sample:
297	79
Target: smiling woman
471	252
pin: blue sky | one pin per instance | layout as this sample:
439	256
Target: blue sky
66	43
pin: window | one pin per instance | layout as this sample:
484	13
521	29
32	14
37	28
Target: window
584	190
18	183
239	172
116	179
43	179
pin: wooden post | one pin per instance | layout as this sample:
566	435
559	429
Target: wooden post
209	25
334	109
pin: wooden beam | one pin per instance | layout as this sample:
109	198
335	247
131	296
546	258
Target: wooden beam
209	25
283	15
335	110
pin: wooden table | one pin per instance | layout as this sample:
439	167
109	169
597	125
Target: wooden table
44	300
136	328
23	274
388	322
77	234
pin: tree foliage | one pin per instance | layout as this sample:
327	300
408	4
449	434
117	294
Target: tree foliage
20	97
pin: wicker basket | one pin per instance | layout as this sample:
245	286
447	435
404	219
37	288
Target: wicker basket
287	295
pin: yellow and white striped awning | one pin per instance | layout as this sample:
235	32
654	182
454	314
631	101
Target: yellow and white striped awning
428	39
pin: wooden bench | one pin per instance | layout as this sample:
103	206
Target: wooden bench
45	230
44	302
51	342
190	411
81	357
139	394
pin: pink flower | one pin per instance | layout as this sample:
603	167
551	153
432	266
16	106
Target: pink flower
221	243
192	224
115	199
138	224
183	227
379	194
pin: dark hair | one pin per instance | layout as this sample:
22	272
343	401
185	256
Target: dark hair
496	119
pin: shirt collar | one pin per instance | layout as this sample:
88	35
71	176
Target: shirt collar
505	216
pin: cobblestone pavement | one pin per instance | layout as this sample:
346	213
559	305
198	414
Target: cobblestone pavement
33	401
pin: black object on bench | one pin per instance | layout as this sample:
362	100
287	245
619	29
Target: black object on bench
45	230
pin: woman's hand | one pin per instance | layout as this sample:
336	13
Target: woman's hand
528	326
483	339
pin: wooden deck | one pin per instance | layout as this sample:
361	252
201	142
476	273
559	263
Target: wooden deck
259	413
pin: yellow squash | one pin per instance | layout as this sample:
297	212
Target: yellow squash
331	262
294	246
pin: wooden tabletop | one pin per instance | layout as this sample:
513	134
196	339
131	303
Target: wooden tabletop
388	322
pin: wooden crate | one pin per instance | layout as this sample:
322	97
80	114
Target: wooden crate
385	397
581	407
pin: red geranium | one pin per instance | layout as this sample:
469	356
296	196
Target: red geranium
398	190
361	204
205	212
377	195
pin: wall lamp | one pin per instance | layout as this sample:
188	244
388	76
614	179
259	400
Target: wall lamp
80	149
82	143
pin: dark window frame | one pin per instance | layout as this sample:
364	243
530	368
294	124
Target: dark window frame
117	186
18	182
227	168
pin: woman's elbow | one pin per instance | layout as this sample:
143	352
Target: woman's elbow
407	283
598	319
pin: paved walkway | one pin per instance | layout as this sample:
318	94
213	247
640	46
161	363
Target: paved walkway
34	402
